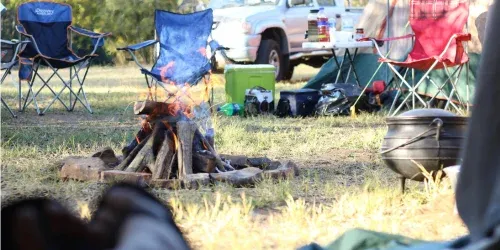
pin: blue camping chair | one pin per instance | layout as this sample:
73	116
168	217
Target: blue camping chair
48	26
182	42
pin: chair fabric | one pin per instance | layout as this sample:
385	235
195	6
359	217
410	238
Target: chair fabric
183	41
434	24
48	24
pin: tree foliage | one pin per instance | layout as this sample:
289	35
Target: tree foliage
130	21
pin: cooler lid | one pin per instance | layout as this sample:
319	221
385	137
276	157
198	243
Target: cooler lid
249	67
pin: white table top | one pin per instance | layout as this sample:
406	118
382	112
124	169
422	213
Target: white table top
337	45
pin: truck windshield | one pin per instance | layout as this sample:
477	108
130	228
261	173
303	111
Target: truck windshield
222	4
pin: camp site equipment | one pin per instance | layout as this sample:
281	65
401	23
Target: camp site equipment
239	78
297	103
9	60
439	39
432	138
258	100
182	41
49	28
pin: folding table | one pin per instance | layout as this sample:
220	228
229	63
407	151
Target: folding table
333	46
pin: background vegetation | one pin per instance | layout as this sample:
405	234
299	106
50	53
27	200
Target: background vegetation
130	21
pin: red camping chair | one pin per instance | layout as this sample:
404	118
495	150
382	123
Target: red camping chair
438	44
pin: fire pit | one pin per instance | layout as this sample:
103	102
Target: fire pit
170	151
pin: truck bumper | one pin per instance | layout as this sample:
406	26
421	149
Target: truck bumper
243	49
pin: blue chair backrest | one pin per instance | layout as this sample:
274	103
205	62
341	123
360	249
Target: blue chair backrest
48	23
183	40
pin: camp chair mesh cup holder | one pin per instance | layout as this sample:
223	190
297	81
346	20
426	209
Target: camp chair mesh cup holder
48	27
174	46
9	50
420	59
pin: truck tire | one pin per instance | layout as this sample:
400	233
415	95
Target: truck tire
289	73
269	53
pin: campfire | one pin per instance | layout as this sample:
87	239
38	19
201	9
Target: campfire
171	151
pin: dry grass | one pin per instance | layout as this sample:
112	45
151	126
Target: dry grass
343	183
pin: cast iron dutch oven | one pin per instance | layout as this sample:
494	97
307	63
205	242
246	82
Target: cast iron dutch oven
430	137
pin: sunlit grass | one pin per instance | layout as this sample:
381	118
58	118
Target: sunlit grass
343	183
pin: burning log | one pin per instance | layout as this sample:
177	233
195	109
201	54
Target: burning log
164	158
145	157
174	147
185	133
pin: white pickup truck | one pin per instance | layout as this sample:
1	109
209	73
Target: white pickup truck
271	31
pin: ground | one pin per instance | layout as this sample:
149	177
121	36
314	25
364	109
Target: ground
343	183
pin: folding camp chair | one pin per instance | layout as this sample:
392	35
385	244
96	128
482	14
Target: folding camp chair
9	60
49	28
438	44
182	57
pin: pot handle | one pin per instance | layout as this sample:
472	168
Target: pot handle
439	124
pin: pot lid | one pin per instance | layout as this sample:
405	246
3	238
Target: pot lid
427	113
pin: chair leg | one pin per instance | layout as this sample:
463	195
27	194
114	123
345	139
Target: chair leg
8	108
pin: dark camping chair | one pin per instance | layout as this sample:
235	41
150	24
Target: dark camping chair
182	46
49	28
9	60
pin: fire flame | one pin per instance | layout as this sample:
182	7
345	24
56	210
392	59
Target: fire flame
175	136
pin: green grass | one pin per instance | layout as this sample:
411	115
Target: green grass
342	184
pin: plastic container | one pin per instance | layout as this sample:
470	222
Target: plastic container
338	22
348	24
323	29
360	34
239	78
312	26
229	109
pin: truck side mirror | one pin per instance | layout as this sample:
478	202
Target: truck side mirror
297	2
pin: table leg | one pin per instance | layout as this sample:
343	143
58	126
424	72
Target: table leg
339	66
351	66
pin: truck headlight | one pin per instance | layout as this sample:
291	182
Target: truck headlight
238	24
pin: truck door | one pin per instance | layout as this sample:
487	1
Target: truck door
296	22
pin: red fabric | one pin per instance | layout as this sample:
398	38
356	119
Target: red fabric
434	23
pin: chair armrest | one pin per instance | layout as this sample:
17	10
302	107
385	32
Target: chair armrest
138	46
463	37
21	30
214	46
88	33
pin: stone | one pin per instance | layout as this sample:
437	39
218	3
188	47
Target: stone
195	181
140	179
83	169
107	155
285	171
239	178
165	183
191	181
236	161
259	162
272	166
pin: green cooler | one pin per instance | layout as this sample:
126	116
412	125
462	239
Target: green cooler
242	77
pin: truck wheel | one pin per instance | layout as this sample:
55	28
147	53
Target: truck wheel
289	73
269	53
